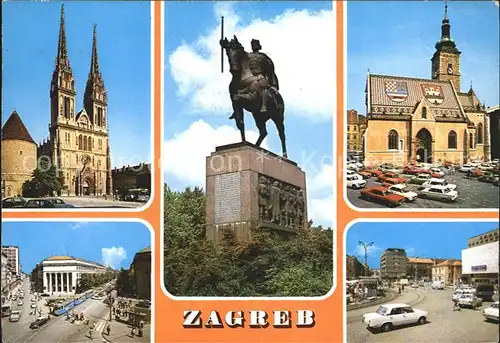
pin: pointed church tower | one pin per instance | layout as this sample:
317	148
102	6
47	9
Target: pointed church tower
62	94
95	99
446	58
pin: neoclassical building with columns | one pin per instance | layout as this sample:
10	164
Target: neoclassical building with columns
60	274
426	119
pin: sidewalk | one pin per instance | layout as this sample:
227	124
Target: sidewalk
120	332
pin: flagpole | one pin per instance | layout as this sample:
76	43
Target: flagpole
222	48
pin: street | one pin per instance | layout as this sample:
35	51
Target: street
471	194
444	325
58	329
100	202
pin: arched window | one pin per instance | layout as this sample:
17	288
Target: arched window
424	113
73	85
84	142
393	140
452	140
90	143
471	141
480	133
80	142
66	107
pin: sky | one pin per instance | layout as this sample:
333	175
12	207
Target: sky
30	37
419	239
403	43
300	38
110	243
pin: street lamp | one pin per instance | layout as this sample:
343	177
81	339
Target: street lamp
365	247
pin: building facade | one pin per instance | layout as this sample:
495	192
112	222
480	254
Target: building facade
480	259
61	274
393	263
19	156
132	177
426	120
494	117
354	268
448	271
13	262
419	269
141	269
356	126
6	274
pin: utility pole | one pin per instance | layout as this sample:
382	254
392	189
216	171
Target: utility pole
365	247
110	305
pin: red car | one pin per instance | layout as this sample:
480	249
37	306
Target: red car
388	175
413	170
381	194
393	181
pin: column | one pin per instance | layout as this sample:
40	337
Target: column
67	282
58	282
45	282
50	283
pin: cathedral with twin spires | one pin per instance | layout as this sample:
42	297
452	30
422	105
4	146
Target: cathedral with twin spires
78	143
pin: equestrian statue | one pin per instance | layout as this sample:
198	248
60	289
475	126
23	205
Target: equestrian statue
254	87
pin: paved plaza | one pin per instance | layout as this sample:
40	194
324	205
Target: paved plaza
471	194
444	325
100	202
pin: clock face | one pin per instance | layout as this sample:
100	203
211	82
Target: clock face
450	69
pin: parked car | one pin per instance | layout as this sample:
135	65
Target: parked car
353	166
442	193
59	202
466	168
439	182
437	285
39	322
14	316
387	175
33	305
20	303
12	202
487	177
485	291
437	171
412	170
355	181
485	167
365	174
352	172
393	181
469	300
421	178
390	315
402	190
381	194
491	313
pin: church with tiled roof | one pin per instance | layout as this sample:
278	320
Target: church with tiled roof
426	119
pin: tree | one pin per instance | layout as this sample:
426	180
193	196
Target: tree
125	284
45	180
269	264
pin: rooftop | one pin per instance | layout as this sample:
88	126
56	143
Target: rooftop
14	128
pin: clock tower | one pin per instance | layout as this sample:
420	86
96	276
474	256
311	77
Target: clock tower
446	59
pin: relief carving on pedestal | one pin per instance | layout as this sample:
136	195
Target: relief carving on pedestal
280	203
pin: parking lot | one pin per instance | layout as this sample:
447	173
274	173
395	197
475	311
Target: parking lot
471	194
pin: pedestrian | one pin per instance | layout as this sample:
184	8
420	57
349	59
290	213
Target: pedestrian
132	332
108	329
90	333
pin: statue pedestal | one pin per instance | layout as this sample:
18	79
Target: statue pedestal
250	188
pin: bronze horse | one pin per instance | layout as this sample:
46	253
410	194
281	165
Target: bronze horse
245	94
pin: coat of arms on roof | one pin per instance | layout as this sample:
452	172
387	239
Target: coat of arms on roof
397	91
433	93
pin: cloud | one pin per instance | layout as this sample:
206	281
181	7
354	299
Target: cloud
114	256
185	153
78	225
322	211
410	251
324	179
304	61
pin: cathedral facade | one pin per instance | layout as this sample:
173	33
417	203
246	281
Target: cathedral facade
426	120
78	143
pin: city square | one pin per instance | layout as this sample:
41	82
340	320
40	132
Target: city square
74	299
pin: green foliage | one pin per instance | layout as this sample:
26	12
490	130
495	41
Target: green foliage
267	265
93	280
44	181
125	285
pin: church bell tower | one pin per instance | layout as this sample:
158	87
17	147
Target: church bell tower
446	58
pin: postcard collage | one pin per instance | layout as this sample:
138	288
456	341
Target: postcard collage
249	171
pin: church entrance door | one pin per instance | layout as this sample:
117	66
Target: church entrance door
424	146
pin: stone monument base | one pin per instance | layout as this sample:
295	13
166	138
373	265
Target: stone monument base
250	188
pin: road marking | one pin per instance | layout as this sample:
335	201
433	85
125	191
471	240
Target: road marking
100	326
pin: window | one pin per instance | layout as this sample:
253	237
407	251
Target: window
66	107
480	133
85	143
80	143
89	143
393	138
471	141
452	140
424	113
401	145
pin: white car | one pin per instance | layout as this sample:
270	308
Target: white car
485	167
421	178
352	172
14	316
466	168
355	181
402	189
33	305
469	300
20	303
437	285
390	315
491	313
439	193
437	171
438	182
352	166
459	292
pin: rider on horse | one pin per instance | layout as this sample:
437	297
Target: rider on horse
262	68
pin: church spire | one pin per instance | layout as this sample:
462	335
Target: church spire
62	61
94	62
446	43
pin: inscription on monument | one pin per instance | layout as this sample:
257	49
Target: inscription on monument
227	198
